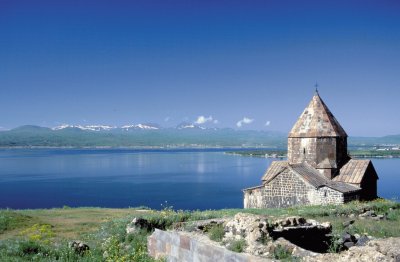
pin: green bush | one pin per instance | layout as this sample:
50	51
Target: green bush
282	253
393	215
133	249
216	232
28	250
237	245
42	233
10	220
334	245
30	247
166	218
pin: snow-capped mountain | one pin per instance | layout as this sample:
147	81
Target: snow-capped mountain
140	126
88	127
107	127
130	127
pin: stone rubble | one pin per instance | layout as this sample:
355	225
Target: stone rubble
303	238
259	233
375	250
137	224
203	226
371	215
252	228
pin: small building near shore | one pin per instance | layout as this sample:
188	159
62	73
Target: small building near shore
318	170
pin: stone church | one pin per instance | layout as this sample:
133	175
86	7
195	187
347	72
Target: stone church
318	170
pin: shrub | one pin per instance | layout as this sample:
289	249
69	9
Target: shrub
237	245
40	233
29	248
134	250
166	218
334	245
10	220
393	215
282	253
216	232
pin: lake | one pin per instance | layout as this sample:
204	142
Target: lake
184	179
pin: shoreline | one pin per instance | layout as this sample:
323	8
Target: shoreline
283	154
259	152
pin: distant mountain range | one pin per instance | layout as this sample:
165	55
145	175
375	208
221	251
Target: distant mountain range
146	126
153	135
108	128
138	135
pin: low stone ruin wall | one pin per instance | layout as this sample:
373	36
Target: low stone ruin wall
178	246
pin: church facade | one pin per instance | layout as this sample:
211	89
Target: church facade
318	170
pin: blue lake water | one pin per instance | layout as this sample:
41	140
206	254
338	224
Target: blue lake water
186	179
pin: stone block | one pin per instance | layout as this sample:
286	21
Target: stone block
185	255
184	242
174	252
233	257
200	258
167	247
152	245
160	246
198	251
172	259
214	253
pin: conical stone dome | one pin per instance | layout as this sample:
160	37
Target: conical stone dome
317	121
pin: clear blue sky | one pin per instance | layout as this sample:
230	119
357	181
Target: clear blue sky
121	62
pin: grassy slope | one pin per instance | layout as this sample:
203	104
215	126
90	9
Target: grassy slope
96	225
68	223
71	223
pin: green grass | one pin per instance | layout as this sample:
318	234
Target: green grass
43	234
379	229
48	239
69	223
10	220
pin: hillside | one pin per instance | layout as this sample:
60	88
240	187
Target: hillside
154	136
33	136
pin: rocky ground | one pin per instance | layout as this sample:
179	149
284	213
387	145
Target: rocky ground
387	249
294	238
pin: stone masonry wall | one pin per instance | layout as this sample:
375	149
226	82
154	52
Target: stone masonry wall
285	190
288	189
321	152
182	247
253	198
326	195
302	150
